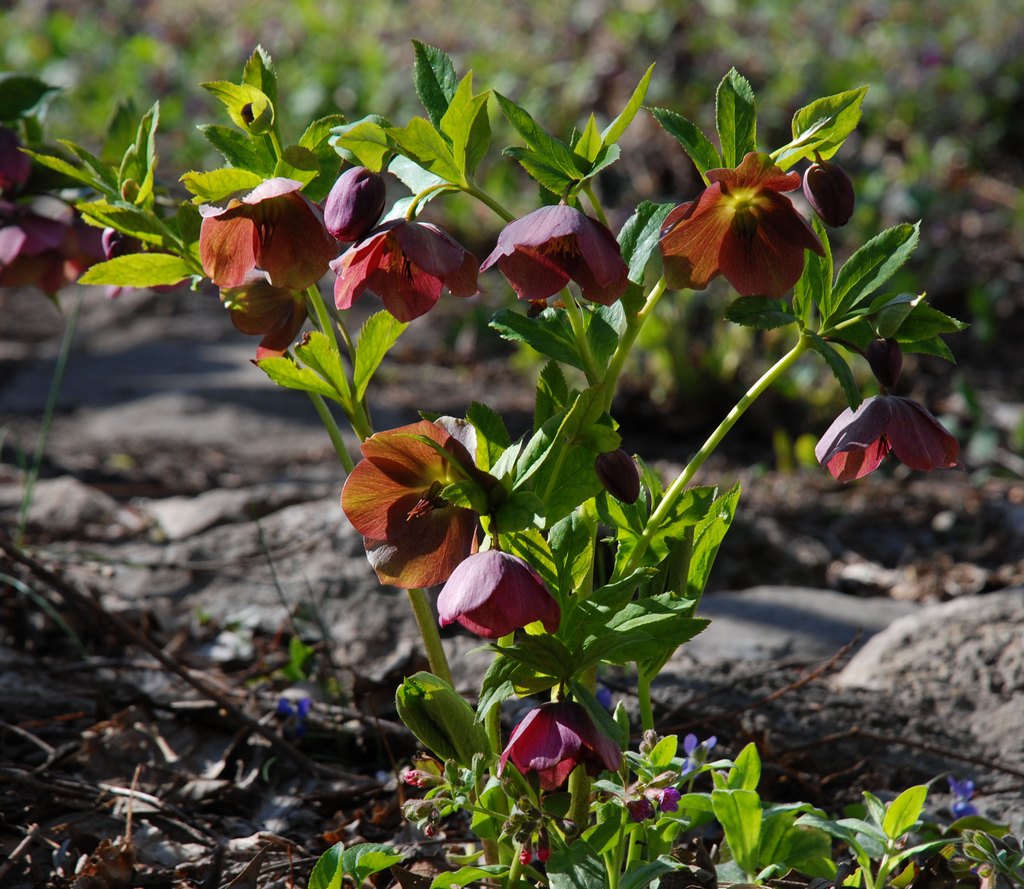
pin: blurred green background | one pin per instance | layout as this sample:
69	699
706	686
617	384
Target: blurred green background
942	137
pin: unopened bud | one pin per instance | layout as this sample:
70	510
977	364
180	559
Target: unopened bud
886	360
355	204
619	475
830	192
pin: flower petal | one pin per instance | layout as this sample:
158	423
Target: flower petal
919	440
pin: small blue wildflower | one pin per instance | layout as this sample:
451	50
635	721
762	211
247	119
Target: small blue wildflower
696	753
962	792
604	696
294	714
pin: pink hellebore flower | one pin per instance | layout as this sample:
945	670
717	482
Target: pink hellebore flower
741	227
258	307
857	442
407	264
555	738
413	536
274	227
493	593
541	252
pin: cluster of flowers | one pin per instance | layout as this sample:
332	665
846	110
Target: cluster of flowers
43	241
265	248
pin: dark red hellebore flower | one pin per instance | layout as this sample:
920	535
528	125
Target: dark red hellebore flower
259	308
555	738
493	593
274	227
541	252
413	536
857	442
742	227
407	264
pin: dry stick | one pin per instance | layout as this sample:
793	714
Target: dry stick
19	850
72	594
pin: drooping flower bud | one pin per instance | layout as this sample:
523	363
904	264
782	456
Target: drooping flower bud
830	192
886	360
440	718
355	204
619	475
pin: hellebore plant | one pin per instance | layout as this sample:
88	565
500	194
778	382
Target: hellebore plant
565	554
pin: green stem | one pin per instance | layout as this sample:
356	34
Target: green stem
331	425
588	190
413	208
678	486
48	411
488	201
579	332
643	688
634	324
515	868
430	634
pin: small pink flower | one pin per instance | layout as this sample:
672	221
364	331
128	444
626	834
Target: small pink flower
275	228
857	442
541	252
742	227
493	593
407	264
555	738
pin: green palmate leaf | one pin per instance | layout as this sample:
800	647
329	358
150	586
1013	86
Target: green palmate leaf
21	94
532	546
907	318
99	169
213	186
318	133
76	174
870	267
492	439
366	859
239	150
822	126
638	238
139	270
739	813
617	127
364	142
589	143
575	867
126	218
546	149
840	369
298	163
736	118
815	285
707	538
467	126
464	876
570	540
604	326
760	312
435	80
546	174
259	72
249	108
317	352
548	333
647	873
698	146
545	655
499	684
552	394
421	142
607	156
414	177
639	631
440	718
287	373
904	811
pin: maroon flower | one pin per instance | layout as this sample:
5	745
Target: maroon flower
742	227
413	536
555	738
540	253
407	264
274	227
45	245
259	308
15	165
355	204
857	442
493	593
